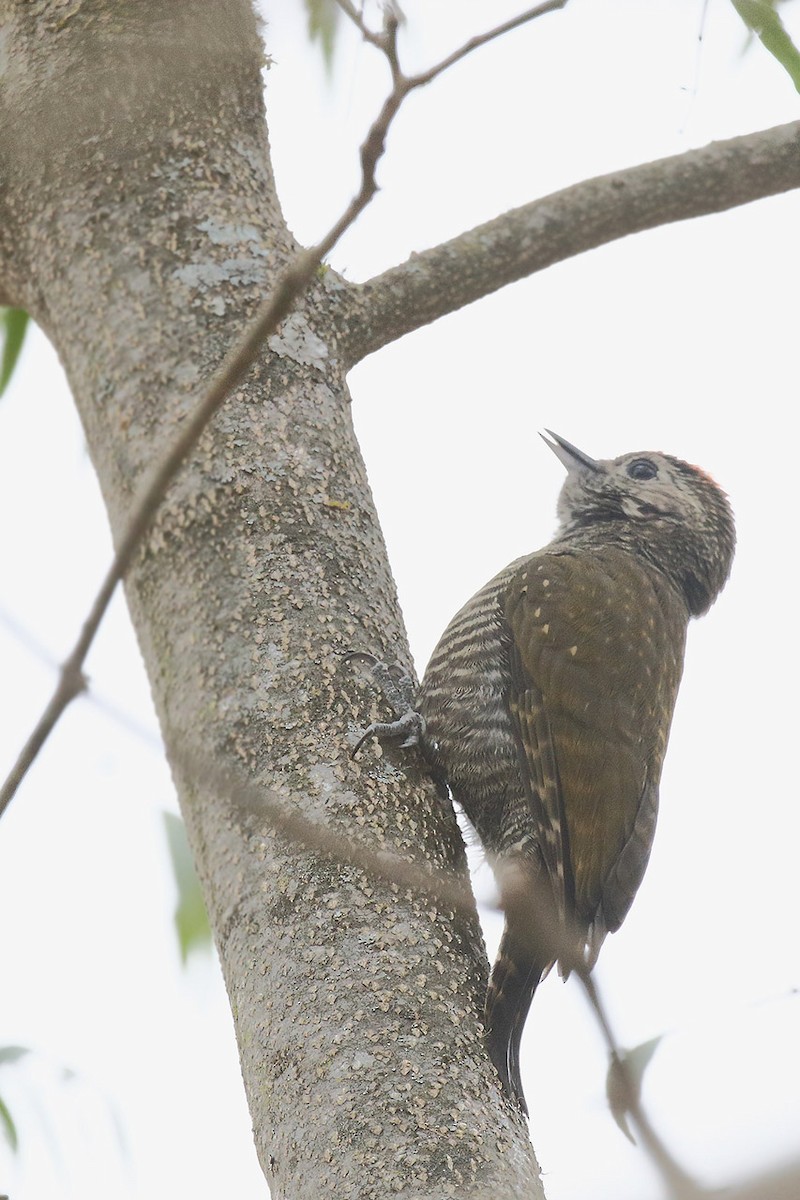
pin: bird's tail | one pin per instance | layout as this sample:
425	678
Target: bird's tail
515	977
528	949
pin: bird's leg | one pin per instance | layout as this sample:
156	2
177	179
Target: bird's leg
397	689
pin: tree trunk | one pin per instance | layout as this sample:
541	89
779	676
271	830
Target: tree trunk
139	225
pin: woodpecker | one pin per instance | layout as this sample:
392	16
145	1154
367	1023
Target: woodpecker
547	703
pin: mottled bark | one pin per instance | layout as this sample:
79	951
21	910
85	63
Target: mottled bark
140	227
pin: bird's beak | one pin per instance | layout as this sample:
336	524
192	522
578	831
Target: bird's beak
572	458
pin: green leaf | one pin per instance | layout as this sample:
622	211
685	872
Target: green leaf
191	918
8	1127
13	324
323	17
761	18
12	1054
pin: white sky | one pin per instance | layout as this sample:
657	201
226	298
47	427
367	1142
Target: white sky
683	339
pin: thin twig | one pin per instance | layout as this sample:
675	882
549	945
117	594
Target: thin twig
26	639
122	718
369	35
234	367
439	884
481	39
387	41
679	1185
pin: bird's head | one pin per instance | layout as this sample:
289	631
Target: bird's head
661	507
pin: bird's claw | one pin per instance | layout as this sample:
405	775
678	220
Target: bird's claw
397	688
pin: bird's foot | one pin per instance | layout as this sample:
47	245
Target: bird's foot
397	688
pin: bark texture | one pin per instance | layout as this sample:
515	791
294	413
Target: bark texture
139	225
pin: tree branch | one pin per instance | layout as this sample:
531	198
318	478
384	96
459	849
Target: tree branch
443	279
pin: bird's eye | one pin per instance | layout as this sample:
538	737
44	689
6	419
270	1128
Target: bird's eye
642	468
